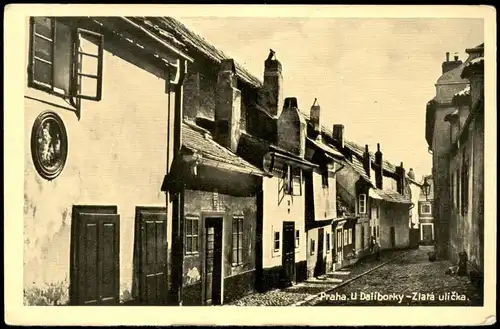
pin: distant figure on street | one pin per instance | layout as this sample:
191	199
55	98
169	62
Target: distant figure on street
374	247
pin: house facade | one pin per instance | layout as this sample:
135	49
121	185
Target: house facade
453	129
466	165
98	91
379	194
425	213
321	196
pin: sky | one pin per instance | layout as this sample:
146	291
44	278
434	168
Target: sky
374	76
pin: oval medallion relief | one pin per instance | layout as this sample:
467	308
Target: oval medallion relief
49	145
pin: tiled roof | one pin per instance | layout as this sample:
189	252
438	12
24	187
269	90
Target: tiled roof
359	150
198	140
358	168
392	196
170	27
332	150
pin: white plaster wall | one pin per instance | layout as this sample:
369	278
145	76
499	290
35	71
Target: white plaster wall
291	208
325	200
116	156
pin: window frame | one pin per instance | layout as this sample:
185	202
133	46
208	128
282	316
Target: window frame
238	235
74	65
297	239
423	206
324	177
346	237
296	173
328	242
313	247
349	236
191	219
362	197
278	240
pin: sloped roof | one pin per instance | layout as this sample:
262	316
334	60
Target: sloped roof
453	76
170	27
392	196
197	139
332	150
359	150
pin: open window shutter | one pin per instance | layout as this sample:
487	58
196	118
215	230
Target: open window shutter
88	65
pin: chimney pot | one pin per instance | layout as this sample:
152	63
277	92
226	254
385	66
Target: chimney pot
447	56
290	102
456	57
338	134
315	116
378	147
366	148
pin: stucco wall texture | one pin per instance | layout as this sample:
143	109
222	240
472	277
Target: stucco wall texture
117	153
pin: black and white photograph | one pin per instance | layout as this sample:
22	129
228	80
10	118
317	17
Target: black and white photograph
193	159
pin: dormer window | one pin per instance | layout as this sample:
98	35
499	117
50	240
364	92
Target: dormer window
64	61
292	180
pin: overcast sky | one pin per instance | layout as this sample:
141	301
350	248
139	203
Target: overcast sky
375	76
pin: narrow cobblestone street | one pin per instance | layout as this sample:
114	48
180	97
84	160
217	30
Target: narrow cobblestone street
310	288
410	280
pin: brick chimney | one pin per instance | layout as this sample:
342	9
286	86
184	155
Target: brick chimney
315	117
400	183
228	107
292	128
338	135
271	93
450	65
367	161
378	168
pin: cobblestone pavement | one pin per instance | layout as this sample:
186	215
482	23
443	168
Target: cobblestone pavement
410	280
305	290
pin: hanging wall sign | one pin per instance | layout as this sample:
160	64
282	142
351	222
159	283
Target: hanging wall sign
49	145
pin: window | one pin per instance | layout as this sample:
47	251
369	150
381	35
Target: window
313	246
59	64
327	243
339	238
297	238
237	240
465	184
297	182
378	231
191	243
362	204
346	238
350	235
276	241
374	230
425	208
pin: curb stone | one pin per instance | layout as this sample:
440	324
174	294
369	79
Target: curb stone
308	299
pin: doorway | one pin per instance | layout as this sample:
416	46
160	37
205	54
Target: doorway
339	247
212	268
320	261
151	248
393	237
427	233
288	258
95	256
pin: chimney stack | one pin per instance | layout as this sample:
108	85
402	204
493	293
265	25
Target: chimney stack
367	161
227	107
411	174
450	65
401	179
338	135
378	168
315	117
271	93
292	128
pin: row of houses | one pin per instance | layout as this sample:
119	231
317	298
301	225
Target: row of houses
159	171
455	135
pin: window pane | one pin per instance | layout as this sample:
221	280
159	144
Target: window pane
235	256
276	235
276	245
235	226
43	26
42	72
63	57
88	86
195	244
189	244
195	227
43	48
240	255
235	240
188	227
240	225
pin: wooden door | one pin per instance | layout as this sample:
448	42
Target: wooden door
427	233
288	256
393	237
320	262
339	245
213	261
96	260
152	242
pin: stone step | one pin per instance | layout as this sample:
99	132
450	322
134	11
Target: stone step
339	273
323	281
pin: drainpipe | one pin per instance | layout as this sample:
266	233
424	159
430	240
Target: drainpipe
178	197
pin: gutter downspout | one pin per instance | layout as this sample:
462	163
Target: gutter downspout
178	198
